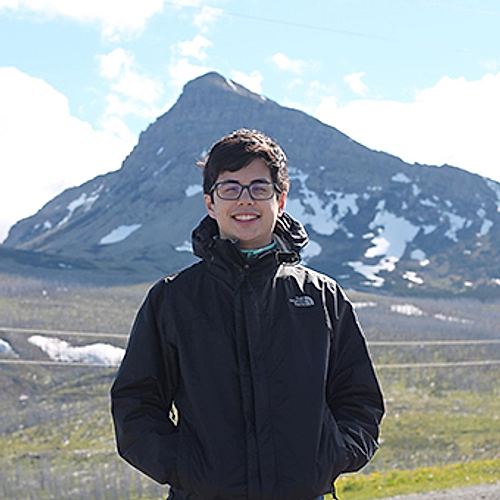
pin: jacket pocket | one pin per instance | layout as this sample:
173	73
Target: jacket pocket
183	462
334	456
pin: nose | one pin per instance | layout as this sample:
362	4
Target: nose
245	196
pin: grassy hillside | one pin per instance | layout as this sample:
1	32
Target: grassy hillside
56	437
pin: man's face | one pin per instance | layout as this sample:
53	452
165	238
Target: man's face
249	221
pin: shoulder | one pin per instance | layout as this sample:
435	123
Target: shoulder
310	279
307	275
175	282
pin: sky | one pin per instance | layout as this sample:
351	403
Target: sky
80	79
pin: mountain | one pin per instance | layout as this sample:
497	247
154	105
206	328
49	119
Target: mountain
375	222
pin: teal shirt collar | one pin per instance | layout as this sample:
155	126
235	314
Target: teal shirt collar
257	251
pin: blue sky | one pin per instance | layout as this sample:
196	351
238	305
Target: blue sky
80	79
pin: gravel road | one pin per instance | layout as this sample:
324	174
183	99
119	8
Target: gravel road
480	492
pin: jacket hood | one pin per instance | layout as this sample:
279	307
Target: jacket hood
289	235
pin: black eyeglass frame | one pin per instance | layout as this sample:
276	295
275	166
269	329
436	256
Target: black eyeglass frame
248	187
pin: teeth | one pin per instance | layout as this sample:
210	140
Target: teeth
245	217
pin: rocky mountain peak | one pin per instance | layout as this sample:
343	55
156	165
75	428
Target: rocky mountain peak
214	82
374	221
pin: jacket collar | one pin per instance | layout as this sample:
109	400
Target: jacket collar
289	235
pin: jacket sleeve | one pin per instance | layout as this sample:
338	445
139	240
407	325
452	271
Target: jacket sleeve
142	395
353	391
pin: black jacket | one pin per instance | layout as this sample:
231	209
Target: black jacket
267	367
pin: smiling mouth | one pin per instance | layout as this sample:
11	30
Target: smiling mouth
245	217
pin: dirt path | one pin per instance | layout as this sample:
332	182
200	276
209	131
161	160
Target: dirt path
480	492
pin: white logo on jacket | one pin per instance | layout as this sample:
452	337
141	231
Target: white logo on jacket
302	301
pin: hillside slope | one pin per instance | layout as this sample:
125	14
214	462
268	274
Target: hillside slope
374	221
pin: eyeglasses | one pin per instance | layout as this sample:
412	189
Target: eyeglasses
232	190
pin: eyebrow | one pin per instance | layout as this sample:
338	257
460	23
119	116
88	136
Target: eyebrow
260	179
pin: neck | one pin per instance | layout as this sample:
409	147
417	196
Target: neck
256	251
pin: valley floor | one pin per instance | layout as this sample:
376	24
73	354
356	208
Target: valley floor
438	363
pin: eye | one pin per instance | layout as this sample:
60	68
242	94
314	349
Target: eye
229	188
261	189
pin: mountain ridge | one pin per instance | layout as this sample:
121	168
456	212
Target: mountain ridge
374	221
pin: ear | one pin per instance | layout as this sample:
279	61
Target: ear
281	203
210	206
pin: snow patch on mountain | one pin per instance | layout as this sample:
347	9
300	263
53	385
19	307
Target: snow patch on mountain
193	190
162	168
47	226
231	84
485	227
391	236
407	310
401	178
495	187
60	350
370	271
363	305
413	277
84	200
428	228
312	249
393	233
346	203
6	348
412	310
418	255
428	203
456	224
119	234
452	319
381	246
324	217
185	247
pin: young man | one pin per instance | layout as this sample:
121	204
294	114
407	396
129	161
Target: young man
263	357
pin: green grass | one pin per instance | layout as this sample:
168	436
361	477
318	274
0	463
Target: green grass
429	442
441	430
401	482
424	428
385	484
62	443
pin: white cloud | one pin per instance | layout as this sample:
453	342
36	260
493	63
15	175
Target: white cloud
315	89
115	124
43	148
132	94
195	47
114	16
186	3
252	81
206	18
284	63
492	65
328	109
181	71
455	122
121	69
355	83
9	4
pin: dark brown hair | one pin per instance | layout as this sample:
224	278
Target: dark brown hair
236	150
